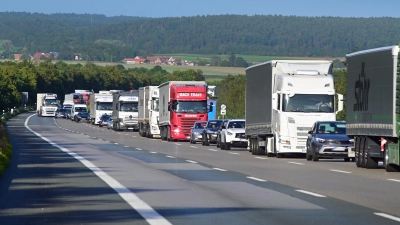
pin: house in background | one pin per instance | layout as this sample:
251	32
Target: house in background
158	60
42	55
136	60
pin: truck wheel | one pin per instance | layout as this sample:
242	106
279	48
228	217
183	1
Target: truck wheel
259	150
371	163
253	146
169	138
357	152
363	152
388	167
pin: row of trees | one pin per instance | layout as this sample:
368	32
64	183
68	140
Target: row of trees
62	78
102	38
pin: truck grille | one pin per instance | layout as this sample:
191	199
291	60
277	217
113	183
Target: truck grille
302	134
188	122
303	128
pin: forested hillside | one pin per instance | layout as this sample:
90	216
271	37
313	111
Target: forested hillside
102	38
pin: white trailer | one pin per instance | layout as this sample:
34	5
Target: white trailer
148	111
283	101
100	104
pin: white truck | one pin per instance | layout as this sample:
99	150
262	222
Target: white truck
100	104
125	110
47	104
148	111
283	100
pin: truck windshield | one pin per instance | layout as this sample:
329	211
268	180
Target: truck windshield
104	106
48	102
80	109
129	106
156	103
308	103
190	106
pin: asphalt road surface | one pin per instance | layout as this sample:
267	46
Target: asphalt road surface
64	172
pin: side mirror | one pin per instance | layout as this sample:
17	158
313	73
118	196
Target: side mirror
210	109
310	132
340	103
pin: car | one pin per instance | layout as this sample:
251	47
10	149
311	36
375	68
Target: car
82	116
103	120
328	139
210	132
223	124
233	134
60	113
195	132
67	113
109	123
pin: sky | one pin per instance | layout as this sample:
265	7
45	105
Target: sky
179	8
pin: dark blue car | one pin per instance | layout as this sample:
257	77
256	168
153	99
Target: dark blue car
210	132
328	139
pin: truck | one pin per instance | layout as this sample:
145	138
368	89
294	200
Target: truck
373	107
100	104
47	104
85	95
283	100
148	111
182	103
125	110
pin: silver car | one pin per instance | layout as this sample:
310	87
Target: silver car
196	130
109	123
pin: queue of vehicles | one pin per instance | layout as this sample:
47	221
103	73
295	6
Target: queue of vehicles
291	108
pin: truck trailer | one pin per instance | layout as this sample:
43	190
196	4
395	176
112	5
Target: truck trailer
148	111
100	104
47	104
182	103
283	100
125	110
373	107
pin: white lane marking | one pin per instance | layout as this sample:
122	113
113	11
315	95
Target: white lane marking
260	157
153	152
139	149
170	157
394	180
296	163
177	144
220	169
108	141
311	193
191	161
133	136
234	153
193	147
214	150
388	216
116	144
126	134
126	146
119	133
145	210
257	179
340	171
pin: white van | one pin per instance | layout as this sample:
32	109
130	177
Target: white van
76	109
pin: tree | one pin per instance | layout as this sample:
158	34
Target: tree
8	47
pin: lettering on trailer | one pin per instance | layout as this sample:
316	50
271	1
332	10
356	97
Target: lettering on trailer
191	94
361	94
104	99
155	93
128	98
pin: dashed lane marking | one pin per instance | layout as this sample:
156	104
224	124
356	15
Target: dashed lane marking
312	193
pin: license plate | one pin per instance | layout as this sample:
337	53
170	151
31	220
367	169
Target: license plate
338	149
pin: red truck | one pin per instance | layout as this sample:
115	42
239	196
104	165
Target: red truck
182	103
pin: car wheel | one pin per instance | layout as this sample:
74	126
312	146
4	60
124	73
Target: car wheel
308	156
206	143
222	145
314	156
218	142
227	146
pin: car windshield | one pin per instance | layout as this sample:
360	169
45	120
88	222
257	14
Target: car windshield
190	106
199	125
236	124
307	103
80	109
331	128
214	124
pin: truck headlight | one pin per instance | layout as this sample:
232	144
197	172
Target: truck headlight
176	130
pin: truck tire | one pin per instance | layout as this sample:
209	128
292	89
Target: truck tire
363	152
371	163
252	142
259	150
169	138
358	152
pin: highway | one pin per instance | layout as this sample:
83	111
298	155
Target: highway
64	172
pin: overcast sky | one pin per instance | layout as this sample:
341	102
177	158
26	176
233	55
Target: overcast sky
178	8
